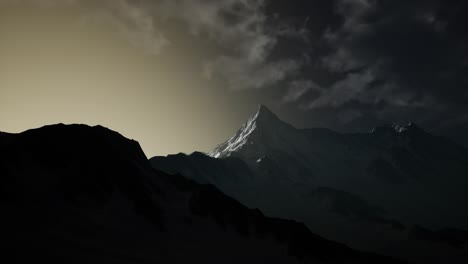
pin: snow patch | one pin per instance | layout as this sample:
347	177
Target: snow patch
238	140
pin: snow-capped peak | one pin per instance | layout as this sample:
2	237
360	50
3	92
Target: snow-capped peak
263	117
395	128
264	113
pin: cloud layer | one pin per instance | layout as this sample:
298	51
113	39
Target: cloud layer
389	61
345	63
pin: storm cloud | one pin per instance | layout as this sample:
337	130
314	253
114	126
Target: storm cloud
344	64
390	61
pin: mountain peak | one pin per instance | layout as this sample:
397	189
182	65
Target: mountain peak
263	113
411	126
263	109
81	139
264	120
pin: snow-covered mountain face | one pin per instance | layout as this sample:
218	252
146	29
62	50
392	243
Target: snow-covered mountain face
265	137
382	185
79	194
258	135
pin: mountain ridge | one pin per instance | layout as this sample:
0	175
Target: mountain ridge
80	194
342	183
265	120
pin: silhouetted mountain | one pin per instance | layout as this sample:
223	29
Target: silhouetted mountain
452	236
79	194
457	133
378	184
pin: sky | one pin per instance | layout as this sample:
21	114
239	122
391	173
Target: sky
183	75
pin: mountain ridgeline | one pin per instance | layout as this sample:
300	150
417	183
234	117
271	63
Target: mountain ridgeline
80	194
397	190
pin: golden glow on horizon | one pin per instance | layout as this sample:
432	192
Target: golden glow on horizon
56	68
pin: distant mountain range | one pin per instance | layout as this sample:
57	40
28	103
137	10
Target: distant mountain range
80	194
397	190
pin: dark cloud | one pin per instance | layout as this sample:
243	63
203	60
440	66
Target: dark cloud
345	64
389	61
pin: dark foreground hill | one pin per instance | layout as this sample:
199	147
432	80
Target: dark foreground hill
80	194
